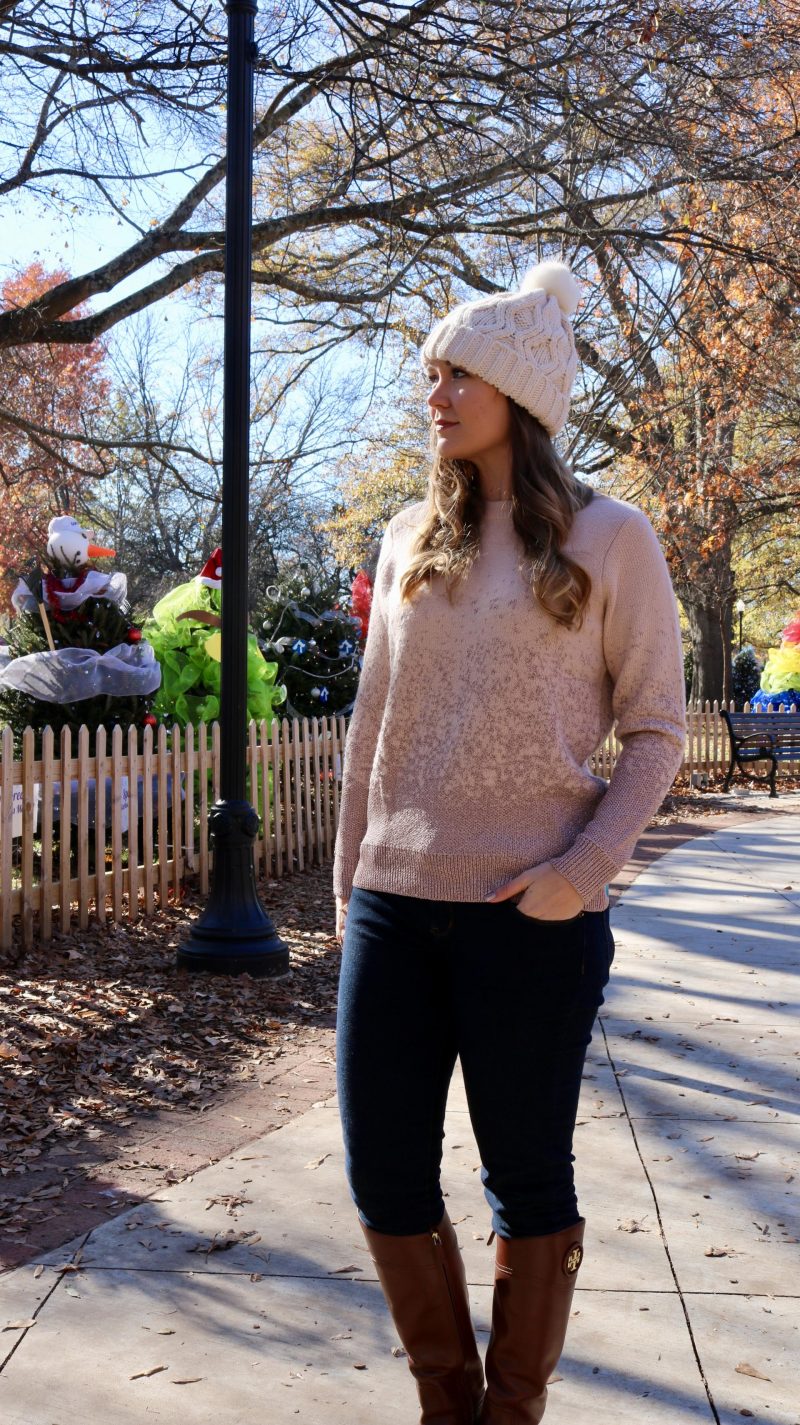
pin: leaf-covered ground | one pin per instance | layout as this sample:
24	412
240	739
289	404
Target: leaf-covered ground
101	1034
119	1073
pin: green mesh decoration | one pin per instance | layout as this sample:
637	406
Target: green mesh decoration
188	650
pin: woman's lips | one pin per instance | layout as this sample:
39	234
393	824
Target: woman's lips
445	425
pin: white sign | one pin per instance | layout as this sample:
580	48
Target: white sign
16	808
17	805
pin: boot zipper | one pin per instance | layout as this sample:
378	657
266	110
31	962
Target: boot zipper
438	1241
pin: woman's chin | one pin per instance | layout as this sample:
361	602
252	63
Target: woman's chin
452	447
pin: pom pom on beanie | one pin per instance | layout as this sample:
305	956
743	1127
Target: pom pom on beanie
557	280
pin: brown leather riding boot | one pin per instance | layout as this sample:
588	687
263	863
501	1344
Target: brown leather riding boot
425	1286
534	1282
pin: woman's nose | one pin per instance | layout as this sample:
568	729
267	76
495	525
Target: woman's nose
437	398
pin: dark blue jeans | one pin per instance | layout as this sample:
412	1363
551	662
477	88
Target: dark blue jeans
515	998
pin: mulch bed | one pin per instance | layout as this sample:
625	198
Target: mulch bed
106	1047
121	1073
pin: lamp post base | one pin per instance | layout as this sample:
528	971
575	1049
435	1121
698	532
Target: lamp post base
234	935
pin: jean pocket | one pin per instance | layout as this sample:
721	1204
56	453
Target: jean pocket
540	920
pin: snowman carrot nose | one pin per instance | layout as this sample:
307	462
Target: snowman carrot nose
95	551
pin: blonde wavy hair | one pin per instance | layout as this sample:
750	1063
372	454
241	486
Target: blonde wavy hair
545	494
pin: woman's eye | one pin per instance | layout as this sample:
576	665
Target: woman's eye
459	371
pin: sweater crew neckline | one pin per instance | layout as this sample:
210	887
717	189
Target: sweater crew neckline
497	509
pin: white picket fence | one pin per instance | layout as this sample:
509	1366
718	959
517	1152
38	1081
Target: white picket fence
133	825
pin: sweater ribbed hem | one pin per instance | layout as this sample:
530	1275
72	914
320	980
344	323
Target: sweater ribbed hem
450	877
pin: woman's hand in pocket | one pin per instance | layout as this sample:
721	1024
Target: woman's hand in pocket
546	894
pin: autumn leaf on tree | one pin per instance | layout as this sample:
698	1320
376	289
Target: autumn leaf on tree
51	396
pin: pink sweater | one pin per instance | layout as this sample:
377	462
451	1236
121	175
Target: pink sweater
466	754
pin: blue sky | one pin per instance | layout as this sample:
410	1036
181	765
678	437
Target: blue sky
80	241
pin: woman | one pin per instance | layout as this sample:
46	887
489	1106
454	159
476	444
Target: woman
517	614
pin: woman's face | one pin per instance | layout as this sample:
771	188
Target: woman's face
471	418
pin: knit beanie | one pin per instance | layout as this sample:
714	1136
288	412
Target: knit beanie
520	342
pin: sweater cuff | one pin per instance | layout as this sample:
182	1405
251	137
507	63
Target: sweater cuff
586	866
344	869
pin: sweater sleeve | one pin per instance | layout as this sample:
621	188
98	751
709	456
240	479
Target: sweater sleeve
644	656
362	734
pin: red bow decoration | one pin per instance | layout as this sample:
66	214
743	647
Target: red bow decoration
361	599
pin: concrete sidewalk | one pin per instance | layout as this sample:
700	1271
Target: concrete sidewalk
245	1294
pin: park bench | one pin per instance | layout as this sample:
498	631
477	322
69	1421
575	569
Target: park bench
761	737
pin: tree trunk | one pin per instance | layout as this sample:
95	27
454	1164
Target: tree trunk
710	632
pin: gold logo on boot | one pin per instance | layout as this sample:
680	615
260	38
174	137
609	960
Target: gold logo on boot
573	1259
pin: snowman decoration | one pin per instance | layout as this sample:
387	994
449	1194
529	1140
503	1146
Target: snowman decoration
70	580
63	672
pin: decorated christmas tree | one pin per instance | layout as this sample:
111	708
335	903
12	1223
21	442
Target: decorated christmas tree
745	675
74	654
185	631
319	653
780	676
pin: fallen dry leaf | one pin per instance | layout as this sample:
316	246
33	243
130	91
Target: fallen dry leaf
187	1380
746	1370
20	1325
353	1268
315	1162
224	1244
153	1371
716	1251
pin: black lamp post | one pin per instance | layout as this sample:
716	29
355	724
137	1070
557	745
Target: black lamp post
234	933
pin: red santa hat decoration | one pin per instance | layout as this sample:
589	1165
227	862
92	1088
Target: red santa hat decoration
211	572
